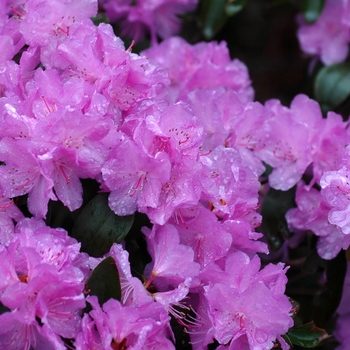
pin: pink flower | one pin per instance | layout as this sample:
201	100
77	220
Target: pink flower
36	290
312	214
168	269
133	291
8	214
287	147
329	36
201	66
134	179
115	325
249	307
143	16
331	135
182	190
200	229
231	187
22	175
336	192
43	20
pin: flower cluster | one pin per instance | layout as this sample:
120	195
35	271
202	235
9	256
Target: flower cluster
78	105
173	133
158	18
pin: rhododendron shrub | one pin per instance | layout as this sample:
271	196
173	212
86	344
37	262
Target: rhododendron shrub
175	251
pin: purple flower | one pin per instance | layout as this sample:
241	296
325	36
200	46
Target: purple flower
200	229
168	269
230	187
44	20
250	307
8	214
312	214
21	174
201	66
336	192
157	17
329	36
117	326
134	179
133	291
42	285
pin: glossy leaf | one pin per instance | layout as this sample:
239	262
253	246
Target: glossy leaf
332	85
274	207
234	6
214	14
307	335
330	293
312	9
3	309
213	17
97	227
99	18
104	281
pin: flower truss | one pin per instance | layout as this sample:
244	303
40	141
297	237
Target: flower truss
172	133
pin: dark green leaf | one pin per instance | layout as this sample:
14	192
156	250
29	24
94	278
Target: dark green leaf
274	207
213	16
97	227
268	170
234	6
332	85
104	281
329	295
312	9
307	335
99	18
3	309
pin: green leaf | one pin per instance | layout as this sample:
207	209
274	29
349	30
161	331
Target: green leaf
214	14
104	281
328	297
312	9
99	18
3	309
213	17
307	335
332	85
234	6
97	227
273	210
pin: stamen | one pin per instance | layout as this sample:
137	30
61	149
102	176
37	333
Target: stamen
17	13
346	192
148	283
19	188
6	205
23	278
178	215
205	154
49	109
129	49
64	174
138	186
